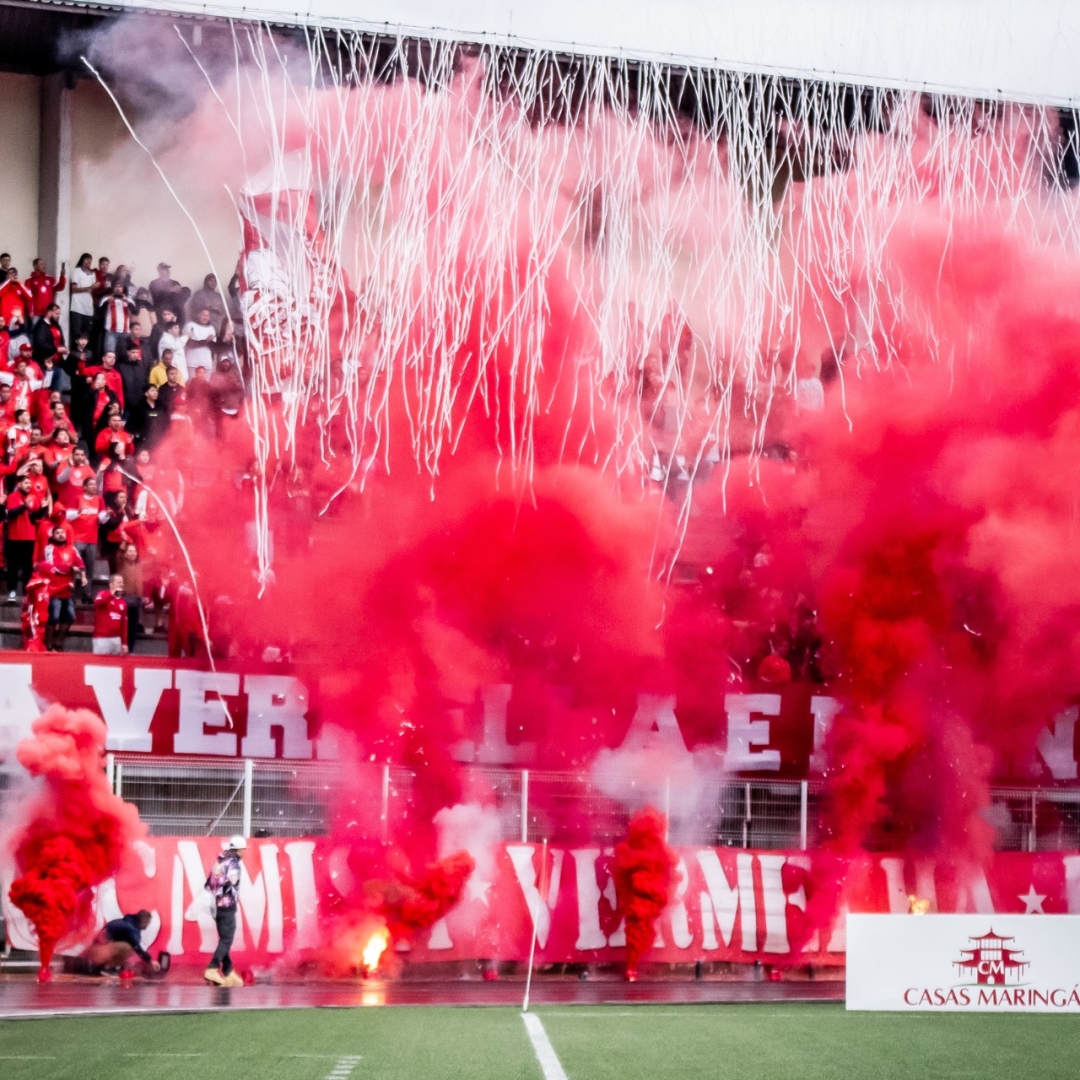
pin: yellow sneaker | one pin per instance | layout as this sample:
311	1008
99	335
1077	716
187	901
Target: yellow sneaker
212	975
232	979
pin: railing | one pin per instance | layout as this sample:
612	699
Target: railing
275	798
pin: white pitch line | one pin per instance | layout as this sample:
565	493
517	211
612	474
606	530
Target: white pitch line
549	1062
344	1067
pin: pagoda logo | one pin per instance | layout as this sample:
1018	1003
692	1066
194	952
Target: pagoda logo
992	961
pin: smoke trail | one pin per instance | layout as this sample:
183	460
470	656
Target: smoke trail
74	832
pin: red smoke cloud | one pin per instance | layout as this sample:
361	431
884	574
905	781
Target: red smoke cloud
643	870
76	830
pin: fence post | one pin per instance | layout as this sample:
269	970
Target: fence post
804	792
524	806
384	813
118	779
1034	818
110	771
746	817
249	776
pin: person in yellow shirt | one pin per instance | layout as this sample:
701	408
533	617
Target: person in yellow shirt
159	373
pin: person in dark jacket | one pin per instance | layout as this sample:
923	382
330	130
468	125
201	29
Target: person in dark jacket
116	943
149	422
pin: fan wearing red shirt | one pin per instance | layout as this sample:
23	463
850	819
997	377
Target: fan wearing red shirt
15	297
87	517
35	609
56	419
57	518
109	436
43	288
39	486
18	435
113	382
72	478
23	381
111	619
23	512
34	450
57	458
67	568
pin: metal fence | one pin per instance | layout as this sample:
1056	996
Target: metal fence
274	798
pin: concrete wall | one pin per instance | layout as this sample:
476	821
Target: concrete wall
121	207
19	124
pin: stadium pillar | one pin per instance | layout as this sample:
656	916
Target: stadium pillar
804	792
54	184
249	777
524	806
110	771
384	813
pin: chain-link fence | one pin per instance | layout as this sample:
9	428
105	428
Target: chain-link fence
277	798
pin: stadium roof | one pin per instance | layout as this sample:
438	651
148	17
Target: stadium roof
1027	51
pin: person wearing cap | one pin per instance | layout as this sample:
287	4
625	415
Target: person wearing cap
224	884
167	294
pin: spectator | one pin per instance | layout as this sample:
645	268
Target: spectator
5	262
55	421
149	422
159	373
58	454
35	608
172	338
167	294
76	364
133	366
18	435
201	338
50	352
18	337
113	381
34	470
197	393
111	619
209	297
34	450
43	289
226	391
131	572
83	280
87	516
143	314
72	478
15	298
114	529
172	392
57	517
66	566
23	512
112	436
116	318
7	406
102	399
123	279
103	281
23	381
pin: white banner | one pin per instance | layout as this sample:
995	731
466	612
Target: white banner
958	963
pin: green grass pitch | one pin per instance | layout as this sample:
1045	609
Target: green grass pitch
620	1042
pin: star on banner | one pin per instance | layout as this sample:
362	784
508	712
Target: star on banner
1033	901
478	890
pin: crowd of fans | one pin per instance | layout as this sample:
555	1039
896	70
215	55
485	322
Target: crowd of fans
82	414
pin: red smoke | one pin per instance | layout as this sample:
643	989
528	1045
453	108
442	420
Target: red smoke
76	830
643	870
911	546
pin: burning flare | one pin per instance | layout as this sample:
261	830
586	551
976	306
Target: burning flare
373	950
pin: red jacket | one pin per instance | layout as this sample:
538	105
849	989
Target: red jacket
112	380
63	560
43	290
15	296
110	616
